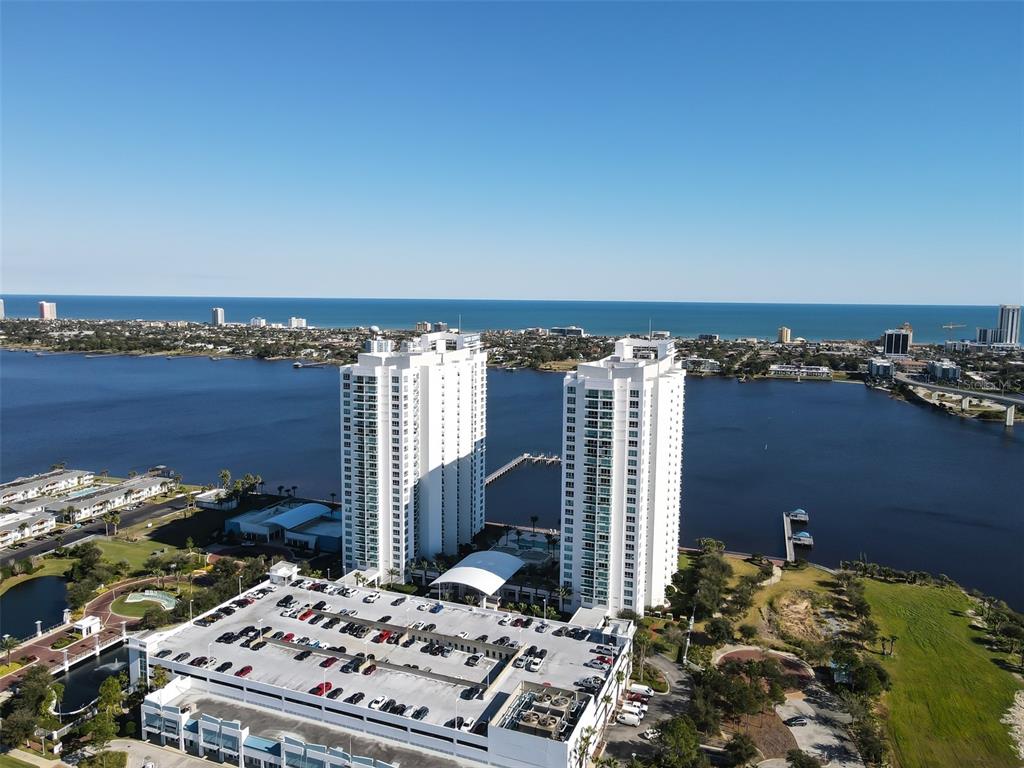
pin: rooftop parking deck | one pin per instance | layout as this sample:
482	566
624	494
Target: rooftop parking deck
405	672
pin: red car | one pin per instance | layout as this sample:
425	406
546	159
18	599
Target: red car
606	659
321	689
638	697
330	661
305	615
370	669
382	637
244	671
288	638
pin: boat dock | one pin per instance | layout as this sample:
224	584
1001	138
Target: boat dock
532	458
803	538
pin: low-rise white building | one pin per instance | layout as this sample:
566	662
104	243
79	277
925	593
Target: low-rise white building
789	371
20	525
103	500
880	368
43	484
944	370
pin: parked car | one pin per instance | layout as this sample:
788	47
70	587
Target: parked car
796	722
321	688
398	601
303	655
183	656
370	669
473	660
373	597
420	713
627	718
355	698
225	666
336	693
164	653
377	703
330	661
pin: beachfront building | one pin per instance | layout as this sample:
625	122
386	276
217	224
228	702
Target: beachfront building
622	436
45	483
897	341
217	316
47	310
785	334
296	322
413	428
258	322
1009	324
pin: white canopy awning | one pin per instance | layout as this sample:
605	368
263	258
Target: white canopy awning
485	572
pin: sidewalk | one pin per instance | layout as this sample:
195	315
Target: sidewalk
28	757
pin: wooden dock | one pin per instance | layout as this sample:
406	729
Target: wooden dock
532	458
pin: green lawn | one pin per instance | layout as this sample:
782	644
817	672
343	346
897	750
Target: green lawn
135	552
134	610
6	761
948	695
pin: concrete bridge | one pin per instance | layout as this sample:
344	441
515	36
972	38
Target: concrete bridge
1010	402
532	458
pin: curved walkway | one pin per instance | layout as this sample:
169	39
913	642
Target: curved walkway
112	626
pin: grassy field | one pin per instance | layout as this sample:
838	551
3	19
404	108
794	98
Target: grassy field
948	692
134	610
805	579
6	761
135	552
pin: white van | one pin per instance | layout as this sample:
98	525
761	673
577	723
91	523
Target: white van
631	708
644	690
626	718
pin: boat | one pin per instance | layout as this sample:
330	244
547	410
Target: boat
803	539
798	516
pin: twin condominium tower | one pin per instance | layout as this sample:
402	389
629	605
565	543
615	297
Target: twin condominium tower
414	427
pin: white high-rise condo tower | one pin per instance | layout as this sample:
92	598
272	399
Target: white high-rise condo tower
1009	324
47	310
413	428
622	466
217	316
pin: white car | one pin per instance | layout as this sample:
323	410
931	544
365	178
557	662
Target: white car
373	597
535	664
542	627
463	634
377	703
650	734
422	607
470	722
504	620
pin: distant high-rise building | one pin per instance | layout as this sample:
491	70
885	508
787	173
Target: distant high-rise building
413	428
47	310
423	326
707	337
784	335
2	315
296	322
622	435
897	341
1009	324
258	322
568	330
217	316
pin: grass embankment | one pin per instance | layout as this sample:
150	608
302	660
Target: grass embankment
559	365
49	566
948	690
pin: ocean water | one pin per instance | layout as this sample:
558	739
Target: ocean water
898	483
730	320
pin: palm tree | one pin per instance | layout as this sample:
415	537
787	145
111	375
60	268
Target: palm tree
583	745
359	578
8	643
892	643
642	643
115	519
225	478
280	490
533	521
552	540
294	489
394	573
564	593
106	523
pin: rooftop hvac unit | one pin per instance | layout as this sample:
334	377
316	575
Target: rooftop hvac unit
548	721
561	702
529	718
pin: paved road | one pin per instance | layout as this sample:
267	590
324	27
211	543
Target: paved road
75	535
113	626
825	736
995	397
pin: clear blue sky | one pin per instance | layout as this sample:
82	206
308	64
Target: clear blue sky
852	152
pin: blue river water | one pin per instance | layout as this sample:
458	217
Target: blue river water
898	483
730	320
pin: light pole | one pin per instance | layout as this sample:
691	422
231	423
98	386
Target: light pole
190	610
239	585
